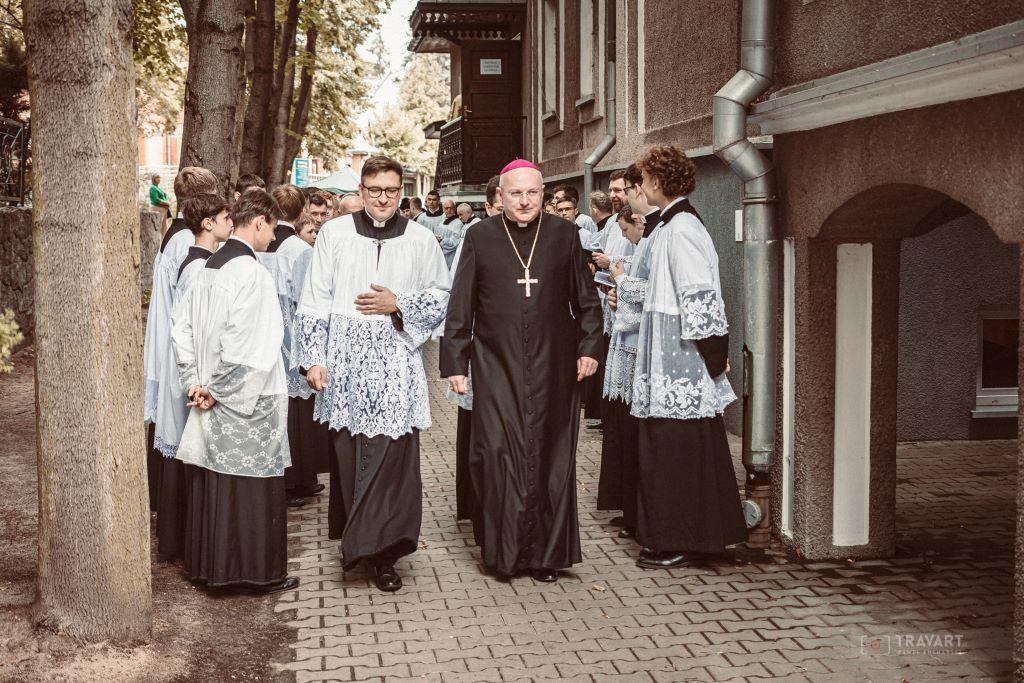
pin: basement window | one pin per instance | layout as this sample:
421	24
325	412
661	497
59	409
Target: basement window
998	347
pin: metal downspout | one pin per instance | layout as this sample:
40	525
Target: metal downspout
761	250
608	141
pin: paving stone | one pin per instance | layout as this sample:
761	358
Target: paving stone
766	616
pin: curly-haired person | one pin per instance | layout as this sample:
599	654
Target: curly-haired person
688	504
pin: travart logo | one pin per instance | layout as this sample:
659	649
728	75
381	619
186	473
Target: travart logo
912	644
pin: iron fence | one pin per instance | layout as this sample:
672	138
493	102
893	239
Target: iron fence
13	148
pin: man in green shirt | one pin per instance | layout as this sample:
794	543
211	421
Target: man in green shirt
158	200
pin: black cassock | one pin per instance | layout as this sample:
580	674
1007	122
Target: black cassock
523	350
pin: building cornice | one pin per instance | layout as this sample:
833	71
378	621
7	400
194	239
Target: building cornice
976	65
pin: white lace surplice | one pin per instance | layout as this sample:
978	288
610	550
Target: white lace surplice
683	304
631	291
287	267
376	383
172	411
157	345
228	338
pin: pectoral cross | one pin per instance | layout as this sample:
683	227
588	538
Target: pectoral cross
527	281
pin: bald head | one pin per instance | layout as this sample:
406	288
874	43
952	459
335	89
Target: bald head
350	204
521	191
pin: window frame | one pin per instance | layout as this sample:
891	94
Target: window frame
993	401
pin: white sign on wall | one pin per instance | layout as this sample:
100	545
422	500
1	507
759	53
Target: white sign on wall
490	67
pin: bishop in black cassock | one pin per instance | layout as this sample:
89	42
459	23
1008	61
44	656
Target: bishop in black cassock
524	312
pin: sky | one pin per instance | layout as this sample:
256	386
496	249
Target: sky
396	34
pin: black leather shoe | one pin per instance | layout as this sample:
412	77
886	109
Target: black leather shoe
544	575
296	502
386	578
664	560
306	491
627	532
617	521
647	554
599	425
289	583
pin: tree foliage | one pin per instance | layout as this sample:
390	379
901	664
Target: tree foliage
13	62
161	57
424	97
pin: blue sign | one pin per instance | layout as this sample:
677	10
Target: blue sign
300	172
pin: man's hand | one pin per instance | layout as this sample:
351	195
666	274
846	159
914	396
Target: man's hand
316	377
585	367
617	269
200	397
380	301
601	260
459	384
613	299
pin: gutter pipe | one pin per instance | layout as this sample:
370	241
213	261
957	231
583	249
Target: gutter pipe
761	249
608	141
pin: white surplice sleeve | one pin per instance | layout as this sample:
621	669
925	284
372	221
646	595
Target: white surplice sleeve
423	309
184	343
695	278
313	314
250	345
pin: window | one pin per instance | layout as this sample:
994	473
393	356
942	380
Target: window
998	345
587	51
549	55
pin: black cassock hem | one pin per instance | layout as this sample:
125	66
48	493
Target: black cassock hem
376	504
688	497
237	529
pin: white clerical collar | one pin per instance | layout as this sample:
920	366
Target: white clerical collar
180	215
286	224
376	223
243	242
673	203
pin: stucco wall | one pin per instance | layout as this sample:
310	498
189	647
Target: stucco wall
17	274
938	326
821	37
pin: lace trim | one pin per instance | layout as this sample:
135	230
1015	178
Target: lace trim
618	373
422	311
169	450
309	342
375	383
680	399
702	313
225	441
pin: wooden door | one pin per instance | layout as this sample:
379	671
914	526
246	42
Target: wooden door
491	108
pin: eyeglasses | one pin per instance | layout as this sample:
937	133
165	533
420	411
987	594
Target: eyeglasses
391	192
627	188
532	195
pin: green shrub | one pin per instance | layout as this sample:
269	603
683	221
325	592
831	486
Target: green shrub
10	336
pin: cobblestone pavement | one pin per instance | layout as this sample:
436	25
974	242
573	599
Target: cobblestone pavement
766	616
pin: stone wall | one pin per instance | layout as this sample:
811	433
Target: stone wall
17	273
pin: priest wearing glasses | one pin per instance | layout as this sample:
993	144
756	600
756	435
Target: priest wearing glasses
524	312
376	287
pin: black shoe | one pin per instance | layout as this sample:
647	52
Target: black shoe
386	578
617	521
289	583
627	532
296	502
306	491
598	425
663	560
544	575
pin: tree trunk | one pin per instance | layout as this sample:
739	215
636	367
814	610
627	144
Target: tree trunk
262	63
300	116
277	172
283	74
94	572
215	29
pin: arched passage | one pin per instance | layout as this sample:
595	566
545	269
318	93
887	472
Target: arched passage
838	485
